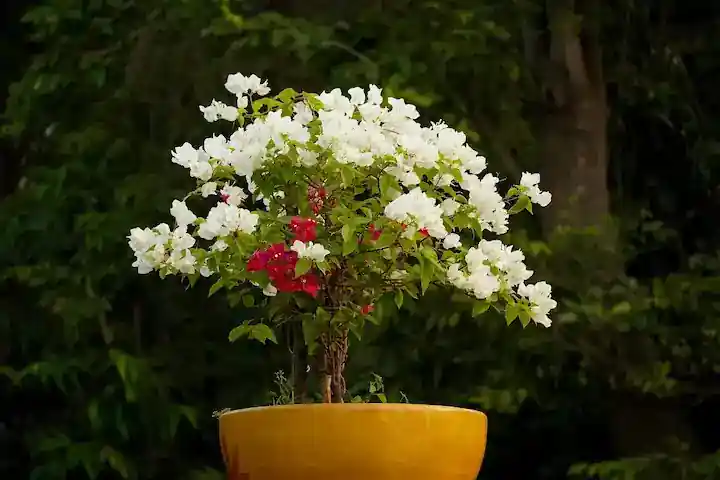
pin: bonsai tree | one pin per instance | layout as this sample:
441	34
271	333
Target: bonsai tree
326	203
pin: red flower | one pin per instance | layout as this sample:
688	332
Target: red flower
424	232
310	284
374	233
279	263
304	229
259	260
366	309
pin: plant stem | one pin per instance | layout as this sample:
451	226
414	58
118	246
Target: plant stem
334	356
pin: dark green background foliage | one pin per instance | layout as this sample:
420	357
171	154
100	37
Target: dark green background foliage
106	374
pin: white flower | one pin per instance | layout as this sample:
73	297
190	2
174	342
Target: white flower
217	147
510	262
149	247
247	221
335	100
232	194
406	176
201	170
310	250
183	261
183	215
219	246
185	155
452	241
218	110
270	290
449	206
400	108
303	114
239	84
483	283
180	239
224	219
143	265
208	189
357	96
418	209
374	96
530	181
457	277
541	302
489	205
196	161
141	239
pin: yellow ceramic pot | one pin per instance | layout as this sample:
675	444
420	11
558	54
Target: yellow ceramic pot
358	441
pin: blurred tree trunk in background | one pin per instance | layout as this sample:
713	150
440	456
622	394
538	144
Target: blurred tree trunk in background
573	135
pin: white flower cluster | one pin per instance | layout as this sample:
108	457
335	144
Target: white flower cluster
160	247
313	251
541	302
417	209
493	267
362	130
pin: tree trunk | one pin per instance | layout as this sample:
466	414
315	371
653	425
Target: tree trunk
575	169
574	133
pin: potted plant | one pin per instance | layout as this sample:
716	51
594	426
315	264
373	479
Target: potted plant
327	204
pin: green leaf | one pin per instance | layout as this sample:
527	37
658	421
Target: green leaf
347	173
522	204
427	272
622	308
215	287
511	313
348	232
399	297
388	185
381	397
349	246
356	329
411	289
239	332
313	326
302	266
270	103
287	95
313	101
94	415
248	301
322	316
262	333
479	308
524	318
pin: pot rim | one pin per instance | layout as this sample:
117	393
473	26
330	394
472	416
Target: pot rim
356	406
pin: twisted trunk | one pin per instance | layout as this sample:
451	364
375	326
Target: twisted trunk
334	355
